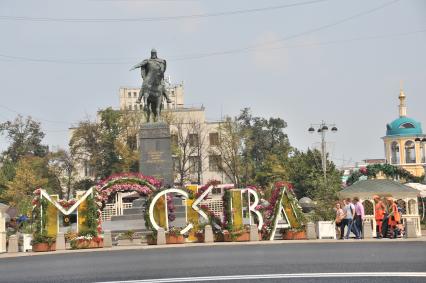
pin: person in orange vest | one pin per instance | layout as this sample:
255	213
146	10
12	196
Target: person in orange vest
379	212
394	217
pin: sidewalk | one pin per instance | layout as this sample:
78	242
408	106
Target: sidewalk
150	247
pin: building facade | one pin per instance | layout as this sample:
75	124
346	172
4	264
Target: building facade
405	143
193	137
129	96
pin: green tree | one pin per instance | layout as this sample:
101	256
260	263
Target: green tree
62	170
265	148
306	173
30	174
107	146
25	138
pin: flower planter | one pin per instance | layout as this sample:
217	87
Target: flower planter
326	229
200	238
175	239
150	240
127	242
294	235
90	244
238	237
218	237
43	247
26	243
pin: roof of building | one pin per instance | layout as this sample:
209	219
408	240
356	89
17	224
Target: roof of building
404	126
379	187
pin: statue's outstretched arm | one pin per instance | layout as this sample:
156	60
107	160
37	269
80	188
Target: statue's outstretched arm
139	65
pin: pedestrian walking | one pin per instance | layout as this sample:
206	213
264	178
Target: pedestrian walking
359	215
394	218
379	214
340	215
349	210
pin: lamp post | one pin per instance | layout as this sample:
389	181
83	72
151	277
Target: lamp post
322	129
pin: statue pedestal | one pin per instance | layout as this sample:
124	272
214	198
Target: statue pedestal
156	152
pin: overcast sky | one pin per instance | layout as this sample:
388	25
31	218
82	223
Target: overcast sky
304	61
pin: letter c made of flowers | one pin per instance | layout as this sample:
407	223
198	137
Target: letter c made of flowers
154	201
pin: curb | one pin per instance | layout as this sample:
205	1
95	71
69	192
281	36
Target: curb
215	244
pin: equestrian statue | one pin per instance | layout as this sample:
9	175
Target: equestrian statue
153	87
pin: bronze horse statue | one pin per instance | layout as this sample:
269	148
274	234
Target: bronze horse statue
153	87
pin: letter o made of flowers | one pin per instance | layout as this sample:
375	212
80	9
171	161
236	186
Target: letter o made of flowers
154	202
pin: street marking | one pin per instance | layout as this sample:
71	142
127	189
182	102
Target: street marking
277	276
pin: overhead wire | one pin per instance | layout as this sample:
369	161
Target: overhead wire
12	58
37	118
162	18
289	37
249	48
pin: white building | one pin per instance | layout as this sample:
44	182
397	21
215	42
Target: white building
190	131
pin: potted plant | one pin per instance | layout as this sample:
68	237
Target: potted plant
237	235
298	233
43	243
173	236
25	237
199	233
87	240
152	238
126	239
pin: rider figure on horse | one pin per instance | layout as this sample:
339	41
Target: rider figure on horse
152	72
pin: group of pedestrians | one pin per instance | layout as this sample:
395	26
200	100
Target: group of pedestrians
351	215
388	218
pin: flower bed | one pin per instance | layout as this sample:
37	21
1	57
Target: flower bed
294	235
175	239
43	247
238	236
200	237
87	242
151	240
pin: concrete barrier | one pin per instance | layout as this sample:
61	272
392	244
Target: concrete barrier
60	241
2	233
161	237
107	239
410	229
208	234
13	244
311	233
254	233
367	230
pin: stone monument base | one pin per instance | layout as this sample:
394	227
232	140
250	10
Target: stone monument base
156	152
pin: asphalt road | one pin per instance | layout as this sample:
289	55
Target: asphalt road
210	261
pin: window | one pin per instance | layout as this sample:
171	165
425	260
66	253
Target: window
129	94
214	139
406	126
194	164
193	139
395	153
129	107
176	164
216	191
423	152
410	153
215	162
134	94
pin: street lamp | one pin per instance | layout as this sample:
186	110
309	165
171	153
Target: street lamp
322	129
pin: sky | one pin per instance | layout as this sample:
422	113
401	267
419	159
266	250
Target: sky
305	61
